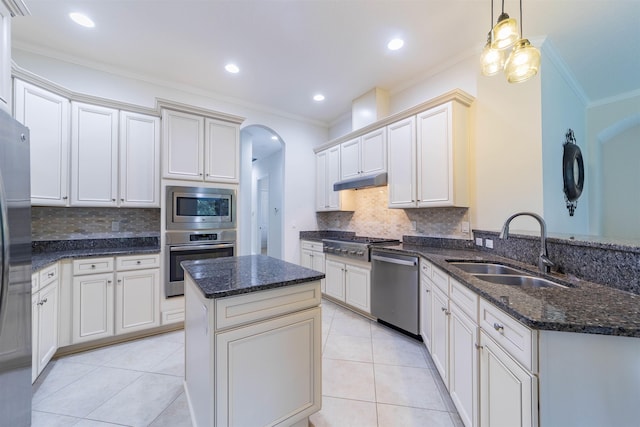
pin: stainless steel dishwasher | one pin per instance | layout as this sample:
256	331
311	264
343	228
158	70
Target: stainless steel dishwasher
395	290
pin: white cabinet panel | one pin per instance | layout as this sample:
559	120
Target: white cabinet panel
92	307
426	311
328	173
311	256
94	155
183	145
222	151
463	365
440	337
350	159
358	288
435	183
47	117
401	143
139	174
137	300
335	279
47	324
373	152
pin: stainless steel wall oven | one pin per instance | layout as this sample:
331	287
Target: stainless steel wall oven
193	245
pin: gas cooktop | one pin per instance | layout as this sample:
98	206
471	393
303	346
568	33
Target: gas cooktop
355	247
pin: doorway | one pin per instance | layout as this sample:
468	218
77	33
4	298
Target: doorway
260	229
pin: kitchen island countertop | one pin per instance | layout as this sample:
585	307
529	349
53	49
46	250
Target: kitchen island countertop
227	276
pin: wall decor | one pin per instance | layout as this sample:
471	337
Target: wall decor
572	171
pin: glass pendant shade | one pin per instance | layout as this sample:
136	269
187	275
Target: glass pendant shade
491	60
505	33
523	63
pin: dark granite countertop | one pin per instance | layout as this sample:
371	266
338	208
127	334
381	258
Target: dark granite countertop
583	306
48	252
223	277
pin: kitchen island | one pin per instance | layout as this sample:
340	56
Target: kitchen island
252	342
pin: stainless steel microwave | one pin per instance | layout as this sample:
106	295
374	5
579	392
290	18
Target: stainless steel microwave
198	208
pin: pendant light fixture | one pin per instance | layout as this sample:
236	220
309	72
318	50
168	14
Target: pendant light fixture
491	60
505	33
524	61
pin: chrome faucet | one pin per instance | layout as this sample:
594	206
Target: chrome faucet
544	263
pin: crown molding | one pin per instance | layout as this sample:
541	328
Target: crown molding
457	95
549	49
186	108
17	7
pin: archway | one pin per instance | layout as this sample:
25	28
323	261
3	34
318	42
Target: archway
260	221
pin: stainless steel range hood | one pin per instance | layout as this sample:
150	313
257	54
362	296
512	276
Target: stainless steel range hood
374	180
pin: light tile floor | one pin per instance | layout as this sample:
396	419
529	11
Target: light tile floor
372	376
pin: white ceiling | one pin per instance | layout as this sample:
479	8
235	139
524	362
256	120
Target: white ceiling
289	50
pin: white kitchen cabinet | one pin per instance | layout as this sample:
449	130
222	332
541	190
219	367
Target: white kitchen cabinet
364	155
440	335
429	158
196	148
426	304
137	300
508	392
108	302
312	256
253	359
349	282
46	114
463	365
328	173
44	317
139	169
94	155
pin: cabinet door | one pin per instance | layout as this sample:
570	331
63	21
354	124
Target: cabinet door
463	365
306	258
269	373
440	337
335	279
435	157
47	324
5	58
321	181
139	160
47	117
401	148
92	307
358	288
182	145
137	300
94	155
506	389
373	152
333	176
222	151
34	337
350	155
318	264
426	311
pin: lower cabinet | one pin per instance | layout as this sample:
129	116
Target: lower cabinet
350	283
312	256
44	317
110	302
426	305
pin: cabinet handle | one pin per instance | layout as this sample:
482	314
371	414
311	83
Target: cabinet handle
93	266
113	200
109	281
119	280
122	200
51	274
138	262
427	290
64	197
498	327
446	312
479	347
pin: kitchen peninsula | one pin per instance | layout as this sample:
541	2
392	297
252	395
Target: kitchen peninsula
252	341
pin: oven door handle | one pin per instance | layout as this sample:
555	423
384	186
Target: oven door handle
198	247
413	262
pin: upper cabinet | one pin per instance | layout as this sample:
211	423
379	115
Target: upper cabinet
328	173
429	158
196	148
364	155
47	117
8	9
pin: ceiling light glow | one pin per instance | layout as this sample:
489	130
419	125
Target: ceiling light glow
232	68
395	44
319	97
82	19
275	138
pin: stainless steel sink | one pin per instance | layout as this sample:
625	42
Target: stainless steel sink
485	268
519	280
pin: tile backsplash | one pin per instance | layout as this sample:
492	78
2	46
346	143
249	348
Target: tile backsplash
50	223
373	218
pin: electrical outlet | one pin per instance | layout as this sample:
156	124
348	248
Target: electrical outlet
414	225
115	225
464	226
488	243
478	241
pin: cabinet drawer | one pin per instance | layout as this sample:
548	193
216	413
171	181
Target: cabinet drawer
312	246
137	262
92	265
441	279
247	308
512	335
464	298
48	275
426	268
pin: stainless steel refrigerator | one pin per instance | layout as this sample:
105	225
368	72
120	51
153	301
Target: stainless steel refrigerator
15	269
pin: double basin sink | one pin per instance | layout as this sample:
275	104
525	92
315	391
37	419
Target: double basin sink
503	275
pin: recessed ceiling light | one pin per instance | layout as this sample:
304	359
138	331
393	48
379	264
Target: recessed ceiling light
275	138
232	68
319	97
82	19
395	44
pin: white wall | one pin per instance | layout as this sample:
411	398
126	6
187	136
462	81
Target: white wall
300	135
273	168
563	108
